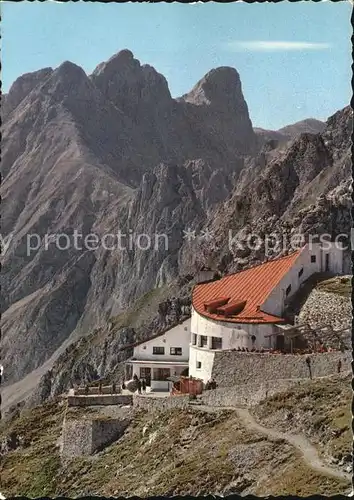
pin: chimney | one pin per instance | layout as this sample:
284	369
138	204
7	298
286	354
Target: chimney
204	275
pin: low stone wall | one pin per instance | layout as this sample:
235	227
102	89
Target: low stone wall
84	437
101	400
107	389
232	368
247	394
153	403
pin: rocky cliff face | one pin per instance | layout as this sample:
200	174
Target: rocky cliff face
112	153
303	189
103	154
22	87
222	110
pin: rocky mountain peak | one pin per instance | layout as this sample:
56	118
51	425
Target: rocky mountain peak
220	101
115	64
128	84
69	69
22	87
69	82
220	87
124	55
310	125
69	74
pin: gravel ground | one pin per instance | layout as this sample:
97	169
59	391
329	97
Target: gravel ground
323	308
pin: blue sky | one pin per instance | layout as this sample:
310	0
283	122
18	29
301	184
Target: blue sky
293	58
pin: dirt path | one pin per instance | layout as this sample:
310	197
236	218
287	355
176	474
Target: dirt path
300	442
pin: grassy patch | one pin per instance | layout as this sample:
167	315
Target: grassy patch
141	310
321	408
36	422
31	469
340	285
297	479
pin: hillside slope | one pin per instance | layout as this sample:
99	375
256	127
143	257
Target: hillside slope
310	126
286	134
199	452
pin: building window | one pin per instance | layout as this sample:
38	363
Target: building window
194	339
161	374
216	342
288	290
176	351
313	259
253	339
301	272
203	341
158	350
199	365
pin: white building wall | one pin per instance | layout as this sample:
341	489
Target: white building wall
206	358
276	300
335	257
233	335
178	336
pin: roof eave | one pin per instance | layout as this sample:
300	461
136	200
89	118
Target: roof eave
277	319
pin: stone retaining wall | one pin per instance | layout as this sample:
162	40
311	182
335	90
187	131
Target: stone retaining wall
76	438
232	368
105	432
153	403
84	437
248	394
101	400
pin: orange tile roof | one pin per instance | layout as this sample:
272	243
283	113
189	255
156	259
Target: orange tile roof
253	285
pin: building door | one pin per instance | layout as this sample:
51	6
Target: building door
146	374
279	344
327	262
